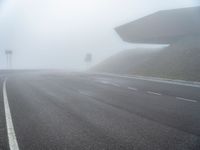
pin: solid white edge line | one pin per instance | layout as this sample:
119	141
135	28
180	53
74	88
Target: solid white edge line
154	79
185	99
154	93
13	145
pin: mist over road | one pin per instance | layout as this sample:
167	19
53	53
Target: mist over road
59	110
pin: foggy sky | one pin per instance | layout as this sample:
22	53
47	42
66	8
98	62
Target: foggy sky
56	34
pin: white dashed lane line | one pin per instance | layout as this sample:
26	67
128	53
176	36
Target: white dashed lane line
114	84
82	92
179	98
131	88
185	99
149	92
154	93
104	82
110	83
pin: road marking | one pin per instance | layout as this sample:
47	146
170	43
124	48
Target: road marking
131	88
154	79
154	93
185	99
110	83
83	93
105	82
10	128
114	84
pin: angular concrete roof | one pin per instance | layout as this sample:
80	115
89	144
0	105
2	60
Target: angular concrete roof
162	27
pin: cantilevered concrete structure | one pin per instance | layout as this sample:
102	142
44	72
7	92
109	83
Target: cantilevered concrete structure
163	27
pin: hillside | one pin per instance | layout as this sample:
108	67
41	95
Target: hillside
125	61
178	61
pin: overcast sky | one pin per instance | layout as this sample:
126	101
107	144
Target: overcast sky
58	33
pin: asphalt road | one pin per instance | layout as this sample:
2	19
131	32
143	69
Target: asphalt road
75	111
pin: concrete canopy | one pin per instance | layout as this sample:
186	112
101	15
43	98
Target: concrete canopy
162	27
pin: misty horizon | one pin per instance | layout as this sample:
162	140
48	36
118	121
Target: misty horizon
58	34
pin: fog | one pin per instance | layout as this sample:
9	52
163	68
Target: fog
57	34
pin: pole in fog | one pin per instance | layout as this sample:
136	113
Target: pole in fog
88	59
8	58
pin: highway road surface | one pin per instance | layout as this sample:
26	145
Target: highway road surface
52	110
